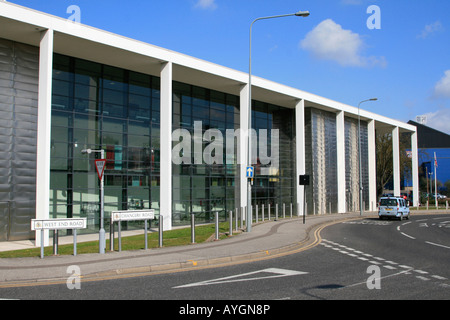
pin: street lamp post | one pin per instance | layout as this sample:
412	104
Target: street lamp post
359	156
249	160
102	238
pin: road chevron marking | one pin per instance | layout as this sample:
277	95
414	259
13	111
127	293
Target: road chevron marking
275	273
387	266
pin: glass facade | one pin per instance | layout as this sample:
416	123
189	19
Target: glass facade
204	187
276	184
101	107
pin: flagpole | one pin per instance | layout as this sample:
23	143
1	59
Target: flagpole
435	180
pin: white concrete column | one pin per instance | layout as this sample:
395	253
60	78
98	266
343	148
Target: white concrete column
341	183
396	160
243	143
300	167
371	136
44	131
415	169
166	146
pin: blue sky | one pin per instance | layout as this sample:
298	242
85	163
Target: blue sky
332	53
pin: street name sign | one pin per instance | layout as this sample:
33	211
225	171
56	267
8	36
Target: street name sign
132	215
58	224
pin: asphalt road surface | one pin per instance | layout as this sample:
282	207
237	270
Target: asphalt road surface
366	259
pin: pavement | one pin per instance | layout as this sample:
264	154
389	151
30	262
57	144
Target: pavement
266	240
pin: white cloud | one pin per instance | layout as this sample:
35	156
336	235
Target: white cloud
430	29
439	120
329	41
206	4
442	88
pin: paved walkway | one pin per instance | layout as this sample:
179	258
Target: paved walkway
266	240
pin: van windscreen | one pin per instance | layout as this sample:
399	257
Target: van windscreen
388	202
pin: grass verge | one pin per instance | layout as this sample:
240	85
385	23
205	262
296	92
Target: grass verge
179	237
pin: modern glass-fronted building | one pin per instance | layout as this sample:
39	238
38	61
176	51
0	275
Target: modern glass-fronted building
174	130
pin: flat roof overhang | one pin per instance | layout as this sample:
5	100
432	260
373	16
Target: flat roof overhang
25	25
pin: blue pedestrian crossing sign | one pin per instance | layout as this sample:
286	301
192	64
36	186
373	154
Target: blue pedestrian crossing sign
250	172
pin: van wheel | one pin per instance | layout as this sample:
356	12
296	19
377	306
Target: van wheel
401	217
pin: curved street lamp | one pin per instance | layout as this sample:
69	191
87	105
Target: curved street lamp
249	160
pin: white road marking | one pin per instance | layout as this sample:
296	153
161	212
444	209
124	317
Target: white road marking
391	265
438	245
276	273
407	235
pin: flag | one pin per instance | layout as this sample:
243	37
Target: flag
435	160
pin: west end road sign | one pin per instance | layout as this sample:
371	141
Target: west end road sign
58	224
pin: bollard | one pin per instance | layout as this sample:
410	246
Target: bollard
160	229
284	211
42	244
111	235
269	211
276	212
145	235
262	212
291	210
231	223
217	226
55	242
74	242
192	228
119	232
236	220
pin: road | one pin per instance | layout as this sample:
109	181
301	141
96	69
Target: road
363	259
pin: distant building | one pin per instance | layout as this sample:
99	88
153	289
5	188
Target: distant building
431	141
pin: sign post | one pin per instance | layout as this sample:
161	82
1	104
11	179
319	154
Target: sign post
59	224
250	172
304	181
100	166
132	215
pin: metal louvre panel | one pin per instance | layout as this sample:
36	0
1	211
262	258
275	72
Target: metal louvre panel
352	164
321	160
19	74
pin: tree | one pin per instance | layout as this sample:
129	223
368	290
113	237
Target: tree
384	158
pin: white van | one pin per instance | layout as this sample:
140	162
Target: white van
393	207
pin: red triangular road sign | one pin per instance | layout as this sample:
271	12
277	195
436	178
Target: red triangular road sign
100	166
